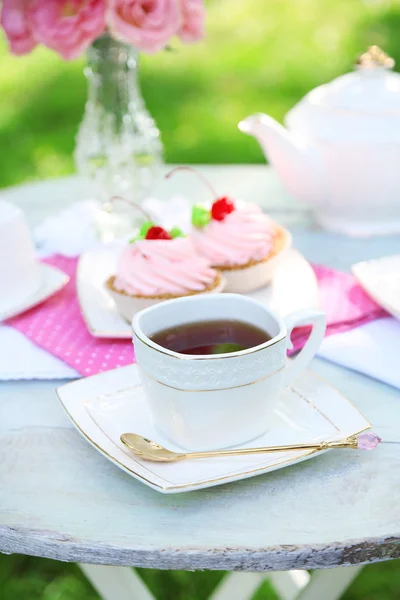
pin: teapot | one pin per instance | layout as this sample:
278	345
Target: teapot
340	150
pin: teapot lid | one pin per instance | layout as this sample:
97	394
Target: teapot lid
356	105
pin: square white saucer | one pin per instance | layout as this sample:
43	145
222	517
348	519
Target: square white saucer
293	287
104	406
53	280
380	278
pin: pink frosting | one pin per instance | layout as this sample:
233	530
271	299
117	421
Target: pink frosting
154	267
245	234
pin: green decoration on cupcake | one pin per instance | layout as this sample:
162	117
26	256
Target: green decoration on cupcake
142	232
200	216
176	232
149	231
144	229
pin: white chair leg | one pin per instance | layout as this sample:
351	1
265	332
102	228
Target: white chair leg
242	586
122	583
288	584
329	584
116	583
238	586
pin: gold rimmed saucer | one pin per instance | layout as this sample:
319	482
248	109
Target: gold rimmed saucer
106	405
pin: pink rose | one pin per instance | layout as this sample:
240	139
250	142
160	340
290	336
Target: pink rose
146	24
192	29
15	21
67	26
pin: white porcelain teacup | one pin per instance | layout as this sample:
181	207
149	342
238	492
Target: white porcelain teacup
216	401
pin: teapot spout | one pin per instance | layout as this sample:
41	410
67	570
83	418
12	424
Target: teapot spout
296	161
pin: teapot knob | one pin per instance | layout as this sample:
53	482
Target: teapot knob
375	57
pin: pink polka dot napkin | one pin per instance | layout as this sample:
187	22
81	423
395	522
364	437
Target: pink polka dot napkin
57	325
346	304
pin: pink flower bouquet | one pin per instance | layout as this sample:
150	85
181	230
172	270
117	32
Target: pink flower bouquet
70	26
118	146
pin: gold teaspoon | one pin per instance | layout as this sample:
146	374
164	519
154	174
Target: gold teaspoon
149	450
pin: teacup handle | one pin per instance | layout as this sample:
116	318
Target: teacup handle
317	319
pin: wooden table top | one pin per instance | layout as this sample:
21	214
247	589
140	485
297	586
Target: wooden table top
59	498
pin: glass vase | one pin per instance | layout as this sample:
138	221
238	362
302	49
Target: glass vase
118	146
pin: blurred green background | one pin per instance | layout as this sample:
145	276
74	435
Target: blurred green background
258	56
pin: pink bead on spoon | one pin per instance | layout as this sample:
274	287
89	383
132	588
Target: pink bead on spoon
368	441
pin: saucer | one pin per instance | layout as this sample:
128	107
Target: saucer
104	406
53	280
293	287
380	278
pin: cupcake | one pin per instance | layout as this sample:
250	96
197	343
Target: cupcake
160	265
239	240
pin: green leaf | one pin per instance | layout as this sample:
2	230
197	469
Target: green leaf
200	216
142	232
176	232
144	229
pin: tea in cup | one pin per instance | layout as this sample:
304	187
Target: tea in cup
214	366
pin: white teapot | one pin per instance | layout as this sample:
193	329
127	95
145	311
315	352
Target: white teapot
340	150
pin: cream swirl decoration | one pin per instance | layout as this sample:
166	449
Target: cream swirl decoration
157	267
245	234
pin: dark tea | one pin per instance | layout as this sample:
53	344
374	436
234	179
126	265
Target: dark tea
211	337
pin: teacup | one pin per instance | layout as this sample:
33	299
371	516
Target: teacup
216	401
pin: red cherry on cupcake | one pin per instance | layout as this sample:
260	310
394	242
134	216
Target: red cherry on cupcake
157	233
221	208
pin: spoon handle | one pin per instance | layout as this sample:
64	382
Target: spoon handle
350	442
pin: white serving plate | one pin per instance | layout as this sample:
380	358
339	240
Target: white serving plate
53	280
293	287
380	278
104	406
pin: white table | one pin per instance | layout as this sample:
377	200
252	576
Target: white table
60	499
